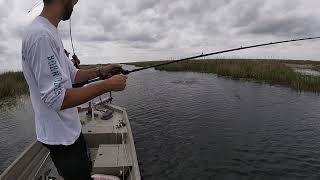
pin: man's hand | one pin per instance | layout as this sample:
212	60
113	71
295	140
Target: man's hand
117	82
105	71
77	96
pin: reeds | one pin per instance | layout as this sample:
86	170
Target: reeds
269	71
12	84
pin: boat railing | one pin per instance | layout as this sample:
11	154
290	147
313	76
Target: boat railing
27	165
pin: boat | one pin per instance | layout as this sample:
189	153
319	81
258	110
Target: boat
107	131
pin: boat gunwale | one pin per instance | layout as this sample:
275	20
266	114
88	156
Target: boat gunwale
135	166
23	161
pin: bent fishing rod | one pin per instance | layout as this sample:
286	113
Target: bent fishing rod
117	71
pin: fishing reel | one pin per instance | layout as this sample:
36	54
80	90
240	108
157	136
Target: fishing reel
119	70
115	71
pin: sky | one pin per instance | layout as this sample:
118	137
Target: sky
117	31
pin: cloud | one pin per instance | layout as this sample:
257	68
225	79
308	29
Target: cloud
277	19
122	31
2	49
285	26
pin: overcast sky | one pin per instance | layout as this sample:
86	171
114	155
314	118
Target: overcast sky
143	30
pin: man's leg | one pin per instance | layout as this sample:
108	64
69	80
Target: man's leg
72	161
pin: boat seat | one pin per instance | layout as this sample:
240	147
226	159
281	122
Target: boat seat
94	138
112	159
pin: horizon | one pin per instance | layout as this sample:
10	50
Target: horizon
142	30
126	63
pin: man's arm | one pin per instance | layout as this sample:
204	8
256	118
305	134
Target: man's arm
77	96
52	82
86	74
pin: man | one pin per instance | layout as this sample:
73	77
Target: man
50	75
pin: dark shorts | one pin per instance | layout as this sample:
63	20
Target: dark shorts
72	162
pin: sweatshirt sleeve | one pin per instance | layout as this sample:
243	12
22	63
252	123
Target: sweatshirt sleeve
73	71
48	73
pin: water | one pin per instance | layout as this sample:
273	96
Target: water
17	129
200	126
308	72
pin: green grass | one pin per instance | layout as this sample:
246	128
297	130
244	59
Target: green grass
12	84
269	71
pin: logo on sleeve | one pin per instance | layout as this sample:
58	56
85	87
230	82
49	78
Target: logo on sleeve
54	68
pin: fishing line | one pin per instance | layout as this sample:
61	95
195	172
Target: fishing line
116	71
35	5
70	24
224	51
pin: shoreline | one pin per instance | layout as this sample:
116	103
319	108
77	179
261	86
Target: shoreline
299	75
295	74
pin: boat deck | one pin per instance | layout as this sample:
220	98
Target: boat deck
100	131
107	142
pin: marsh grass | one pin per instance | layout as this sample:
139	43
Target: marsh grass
269	71
12	84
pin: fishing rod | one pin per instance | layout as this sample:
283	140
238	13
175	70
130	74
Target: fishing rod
116	71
